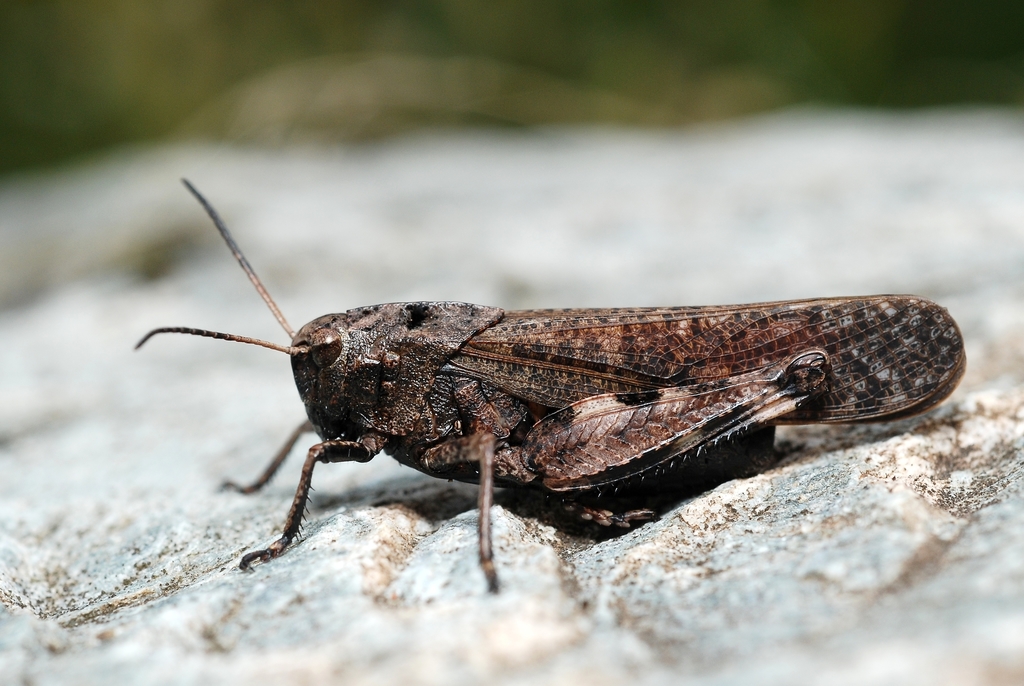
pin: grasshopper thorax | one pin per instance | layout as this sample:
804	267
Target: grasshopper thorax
373	368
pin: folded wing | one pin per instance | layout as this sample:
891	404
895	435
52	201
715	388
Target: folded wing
891	355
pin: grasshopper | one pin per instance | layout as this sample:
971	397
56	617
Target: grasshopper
585	403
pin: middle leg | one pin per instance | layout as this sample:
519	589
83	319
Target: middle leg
478	448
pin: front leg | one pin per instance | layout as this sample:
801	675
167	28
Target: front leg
479	449
274	465
328	451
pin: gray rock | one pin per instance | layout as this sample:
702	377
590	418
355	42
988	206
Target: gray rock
877	554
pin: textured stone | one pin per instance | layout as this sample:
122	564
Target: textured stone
890	553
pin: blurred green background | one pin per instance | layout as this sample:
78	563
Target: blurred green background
81	75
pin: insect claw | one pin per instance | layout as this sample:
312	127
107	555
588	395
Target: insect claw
234	487
275	549
249	558
491	574
623	520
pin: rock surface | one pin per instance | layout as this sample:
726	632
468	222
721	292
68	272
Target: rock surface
881	554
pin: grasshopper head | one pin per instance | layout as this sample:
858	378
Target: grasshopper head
322	364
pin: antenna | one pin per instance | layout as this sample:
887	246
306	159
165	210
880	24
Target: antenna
226	235
290	349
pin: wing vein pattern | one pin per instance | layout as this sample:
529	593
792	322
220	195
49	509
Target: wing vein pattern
891	355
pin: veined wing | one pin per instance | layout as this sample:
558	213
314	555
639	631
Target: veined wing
891	355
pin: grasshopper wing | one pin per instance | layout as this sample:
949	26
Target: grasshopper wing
892	355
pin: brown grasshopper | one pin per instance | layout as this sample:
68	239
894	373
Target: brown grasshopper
589	402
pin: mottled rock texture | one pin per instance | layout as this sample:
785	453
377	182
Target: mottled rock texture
891	553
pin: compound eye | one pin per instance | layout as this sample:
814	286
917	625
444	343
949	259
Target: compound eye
326	346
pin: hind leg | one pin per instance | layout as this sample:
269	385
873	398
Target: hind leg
606	517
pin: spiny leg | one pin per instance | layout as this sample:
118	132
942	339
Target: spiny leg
274	465
328	451
478	448
611	438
